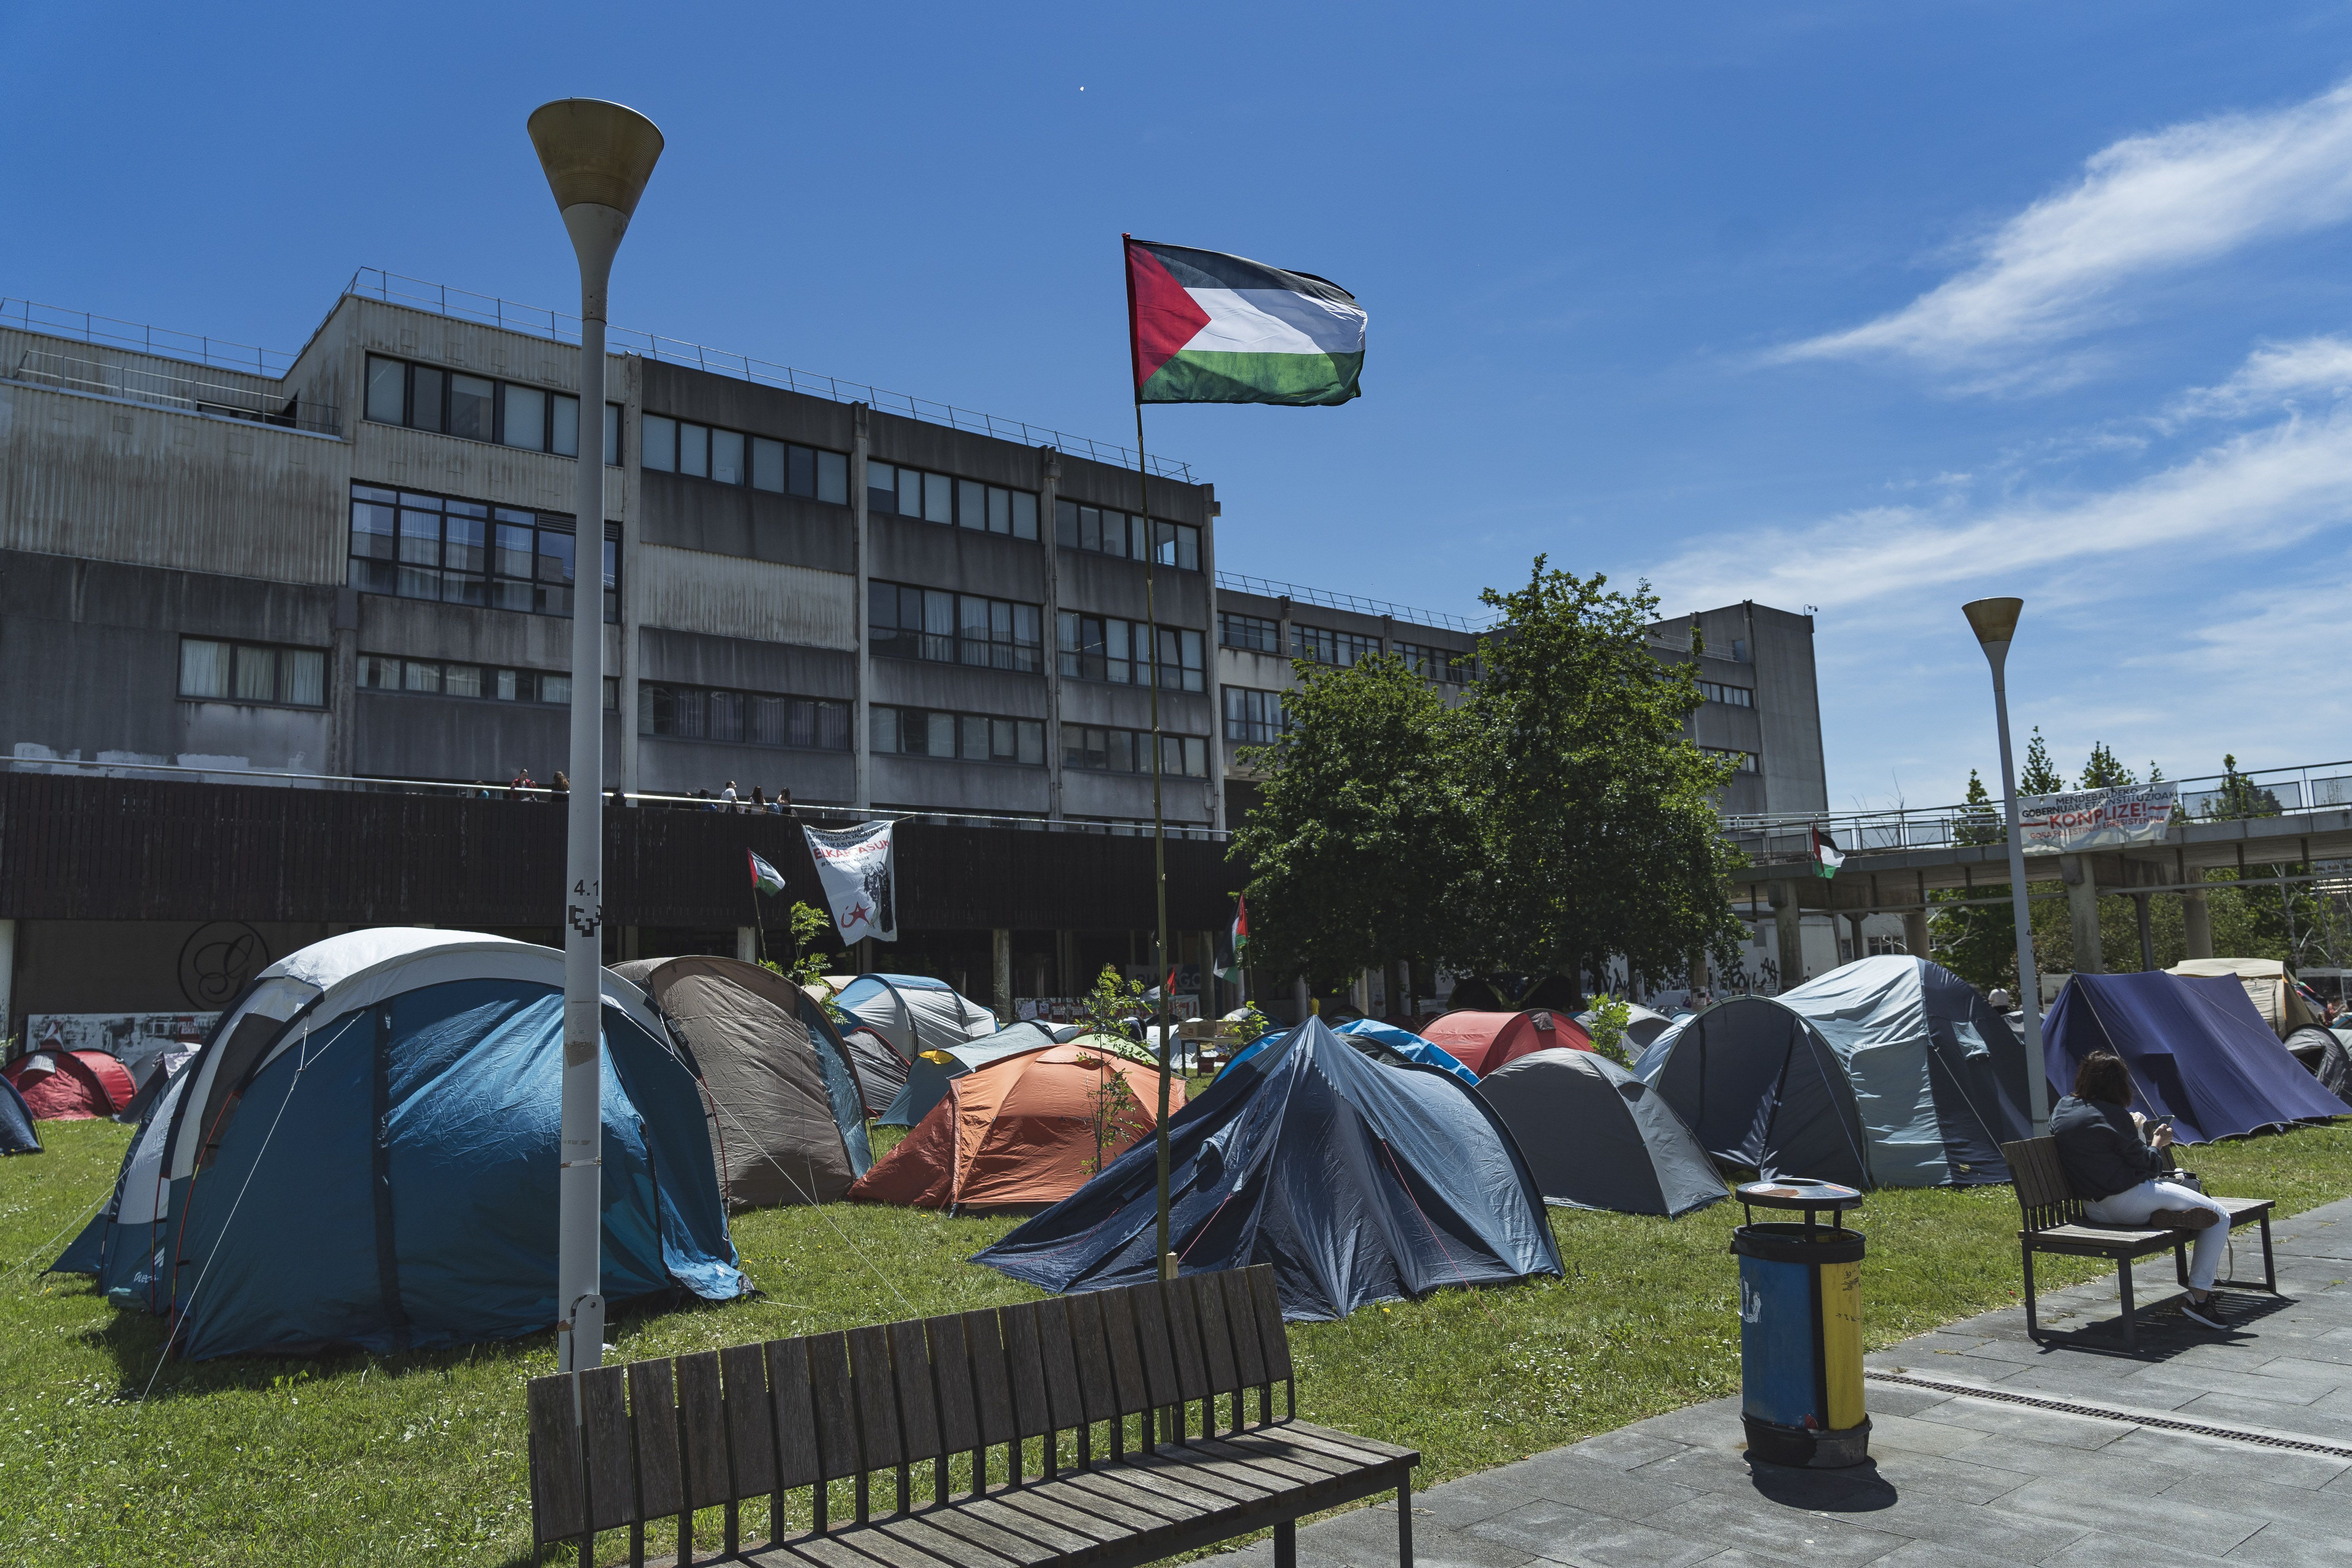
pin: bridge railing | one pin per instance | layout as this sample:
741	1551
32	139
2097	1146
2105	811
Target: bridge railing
1785	837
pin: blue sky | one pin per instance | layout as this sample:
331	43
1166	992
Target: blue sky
1872	308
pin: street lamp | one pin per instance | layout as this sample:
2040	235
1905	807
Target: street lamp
597	156
1995	621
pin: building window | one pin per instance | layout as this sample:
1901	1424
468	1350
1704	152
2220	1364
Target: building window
1102	647
1748	762
893	490
1255	717
731	458
743	718
1452	666
953	628
416	546
972	737
476	408
1739	650
489	683
1737	696
1109	533
1255	633
1094	749
253	672
1320	644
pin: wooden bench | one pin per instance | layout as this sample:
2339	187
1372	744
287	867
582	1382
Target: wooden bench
2055	1223
1129	1404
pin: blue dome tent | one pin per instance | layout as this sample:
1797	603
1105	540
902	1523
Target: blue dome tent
17	1133
1358	1182
1381	1042
365	1152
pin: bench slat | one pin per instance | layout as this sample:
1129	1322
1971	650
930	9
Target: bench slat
837	1417
559	1501
1184	1332
653	1410
796	1444
1241	1317
1066	1531
1151	1307
880	1446
750	1425
1126	1354
1063	1514
1031	1418
1093	1356
1127	1501
952	1376
918	1408
611	1477
1063	1400
1271	1335
1216	1337
702	1428
990	1392
959	1538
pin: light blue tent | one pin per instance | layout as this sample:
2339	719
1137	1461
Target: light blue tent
927	1078
365	1152
893	1018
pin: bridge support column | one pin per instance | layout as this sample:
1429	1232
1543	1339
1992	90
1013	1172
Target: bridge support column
1861	943
1002	944
1914	933
747	943
2198	916
2083	910
2147	935
1787	919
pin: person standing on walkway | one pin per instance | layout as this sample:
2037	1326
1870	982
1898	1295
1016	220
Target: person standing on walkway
728	796
2113	1160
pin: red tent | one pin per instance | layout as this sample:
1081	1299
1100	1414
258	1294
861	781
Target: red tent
1485	1041
70	1086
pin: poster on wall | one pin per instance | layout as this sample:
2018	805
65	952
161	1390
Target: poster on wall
2095	818
858	870
134	1039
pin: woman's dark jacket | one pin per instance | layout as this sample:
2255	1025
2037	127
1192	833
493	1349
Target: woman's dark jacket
2100	1148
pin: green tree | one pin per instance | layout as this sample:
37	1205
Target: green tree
1596	818
1976	942
1361	847
2040	775
2103	771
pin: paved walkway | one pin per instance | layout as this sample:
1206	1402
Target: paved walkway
1958	1481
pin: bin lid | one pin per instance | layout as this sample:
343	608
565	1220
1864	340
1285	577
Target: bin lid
1795	1193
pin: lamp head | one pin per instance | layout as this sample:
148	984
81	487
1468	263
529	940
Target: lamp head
1995	620
594	153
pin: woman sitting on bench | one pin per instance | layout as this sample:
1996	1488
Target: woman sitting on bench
2110	1158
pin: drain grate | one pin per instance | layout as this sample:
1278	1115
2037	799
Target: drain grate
2130	1417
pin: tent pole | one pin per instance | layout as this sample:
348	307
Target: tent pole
1159	829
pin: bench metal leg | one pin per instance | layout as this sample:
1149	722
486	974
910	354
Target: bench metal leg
1285	1544
2033	1332
2122	1274
1404	1523
2270	1269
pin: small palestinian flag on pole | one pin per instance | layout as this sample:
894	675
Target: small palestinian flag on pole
1827	856
1231	973
1211	328
765	879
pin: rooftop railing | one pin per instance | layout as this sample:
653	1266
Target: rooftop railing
39	367
1265	588
56	321
374	283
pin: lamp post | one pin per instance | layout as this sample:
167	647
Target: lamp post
1995	622
597	156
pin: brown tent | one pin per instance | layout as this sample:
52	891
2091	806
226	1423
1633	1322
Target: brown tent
781	1096
1021	1133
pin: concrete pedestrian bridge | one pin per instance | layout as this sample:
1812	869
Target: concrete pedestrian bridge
1894	858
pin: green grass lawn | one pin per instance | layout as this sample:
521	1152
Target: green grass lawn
419	1459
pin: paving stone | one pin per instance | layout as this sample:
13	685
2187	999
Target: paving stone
1936	1555
1941	1437
1810	1540
2101	1550
2216	1457
2300	1420
1969	1526
2112	1468
1716	1421
1458	1504
1560	1533
1600	1487
2268	1500
1895	1399
1626	1447
2286	1546
2214	1380
2194	1527
2101	1382
2021	1421
2317	1371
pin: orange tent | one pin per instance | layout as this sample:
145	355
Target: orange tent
1021	1133
1485	1041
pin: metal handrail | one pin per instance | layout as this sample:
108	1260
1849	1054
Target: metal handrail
40	367
542	793
373	282
1267	588
163	343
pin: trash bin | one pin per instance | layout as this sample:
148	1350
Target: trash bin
1800	1328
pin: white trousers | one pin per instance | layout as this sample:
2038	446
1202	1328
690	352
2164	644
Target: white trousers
2133	1205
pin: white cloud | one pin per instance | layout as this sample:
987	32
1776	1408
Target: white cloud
2145	205
2275	375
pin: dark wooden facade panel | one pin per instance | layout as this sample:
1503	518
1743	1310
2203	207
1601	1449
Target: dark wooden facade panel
100	849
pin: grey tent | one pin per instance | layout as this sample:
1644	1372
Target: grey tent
893	1018
1643	1027
927	1079
1761	1087
2322	1051
1596	1137
787	1125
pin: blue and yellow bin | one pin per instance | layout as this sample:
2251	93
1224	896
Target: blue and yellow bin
1801	1328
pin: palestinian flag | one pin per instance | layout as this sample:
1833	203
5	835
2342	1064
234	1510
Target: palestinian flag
1231	973
765	878
1827	856
1211	328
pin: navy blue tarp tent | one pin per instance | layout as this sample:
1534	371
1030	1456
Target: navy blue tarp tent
365	1152
16	1134
1358	1182
2200	1054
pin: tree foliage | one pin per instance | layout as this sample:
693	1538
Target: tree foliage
2103	771
2040	775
